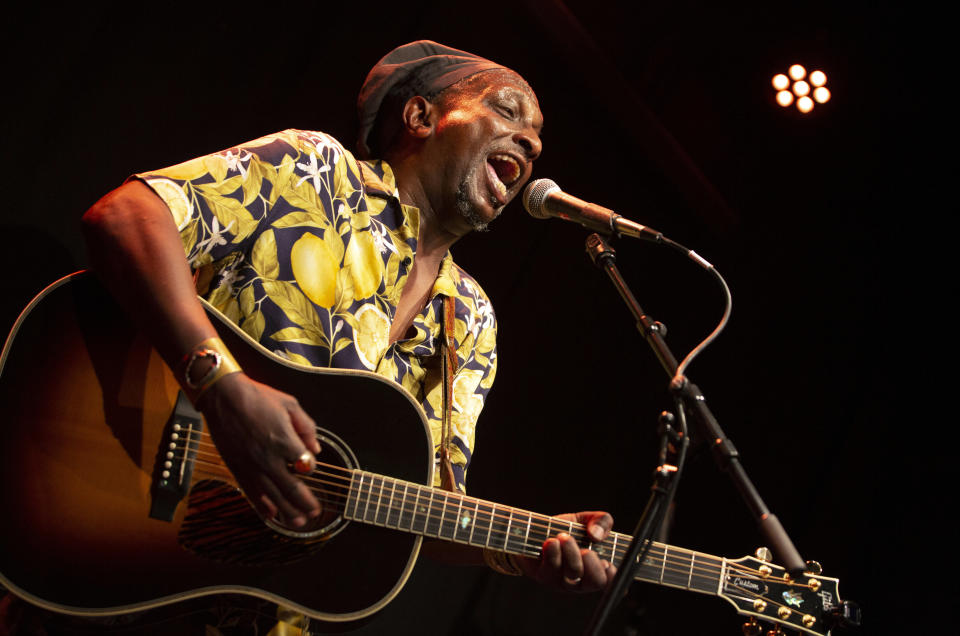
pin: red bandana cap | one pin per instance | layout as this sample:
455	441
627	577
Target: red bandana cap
419	68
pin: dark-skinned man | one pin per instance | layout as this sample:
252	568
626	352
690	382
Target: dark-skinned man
331	261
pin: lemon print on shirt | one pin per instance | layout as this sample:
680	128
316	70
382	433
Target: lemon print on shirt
175	198
371	335
362	261
315	269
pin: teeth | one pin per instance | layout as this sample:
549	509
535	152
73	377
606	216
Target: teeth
501	187
515	167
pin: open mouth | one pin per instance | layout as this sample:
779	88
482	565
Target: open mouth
504	171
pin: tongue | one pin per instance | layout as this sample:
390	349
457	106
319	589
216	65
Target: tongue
495	180
502	168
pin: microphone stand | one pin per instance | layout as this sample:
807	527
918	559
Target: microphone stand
689	399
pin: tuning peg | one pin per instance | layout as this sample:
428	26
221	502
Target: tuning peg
765	556
776	631
752	628
814	568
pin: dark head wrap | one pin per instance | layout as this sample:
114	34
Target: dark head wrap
418	68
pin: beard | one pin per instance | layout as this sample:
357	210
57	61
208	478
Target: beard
468	210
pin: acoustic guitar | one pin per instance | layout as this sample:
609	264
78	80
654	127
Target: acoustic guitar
115	499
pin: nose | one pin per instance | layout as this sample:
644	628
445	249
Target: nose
529	140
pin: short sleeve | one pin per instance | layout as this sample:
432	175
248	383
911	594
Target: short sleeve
221	202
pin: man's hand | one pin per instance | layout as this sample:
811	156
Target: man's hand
260	432
565	565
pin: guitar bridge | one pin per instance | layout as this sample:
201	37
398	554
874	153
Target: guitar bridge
173	466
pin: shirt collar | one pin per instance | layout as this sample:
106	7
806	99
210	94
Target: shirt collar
379	181
445	283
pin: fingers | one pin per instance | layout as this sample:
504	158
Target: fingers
598	523
291	495
561	562
262	434
286	498
595	575
573	568
297	445
582	570
271	489
303	425
271	505
550	561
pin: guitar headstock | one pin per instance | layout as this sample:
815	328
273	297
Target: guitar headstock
809	604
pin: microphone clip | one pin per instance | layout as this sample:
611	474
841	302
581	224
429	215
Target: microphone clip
599	251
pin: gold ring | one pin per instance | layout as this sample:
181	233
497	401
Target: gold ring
304	463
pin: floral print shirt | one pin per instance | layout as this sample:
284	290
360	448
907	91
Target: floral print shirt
308	249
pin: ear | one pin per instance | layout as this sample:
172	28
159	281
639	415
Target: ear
419	117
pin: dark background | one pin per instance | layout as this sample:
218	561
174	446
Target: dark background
664	112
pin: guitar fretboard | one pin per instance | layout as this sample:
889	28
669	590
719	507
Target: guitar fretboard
430	512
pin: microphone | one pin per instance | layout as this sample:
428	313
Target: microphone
543	198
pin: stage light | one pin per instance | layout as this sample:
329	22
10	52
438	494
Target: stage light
784	98
796	87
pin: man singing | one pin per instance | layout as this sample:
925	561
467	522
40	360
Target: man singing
333	260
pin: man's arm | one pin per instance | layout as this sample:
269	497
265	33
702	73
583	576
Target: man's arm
135	248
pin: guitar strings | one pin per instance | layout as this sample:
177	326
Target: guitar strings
698	571
658	558
349	476
494	516
527	548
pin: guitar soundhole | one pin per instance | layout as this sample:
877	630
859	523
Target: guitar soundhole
221	525
329	483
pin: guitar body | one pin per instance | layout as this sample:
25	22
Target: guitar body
85	403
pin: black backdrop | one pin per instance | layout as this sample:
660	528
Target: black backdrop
662	111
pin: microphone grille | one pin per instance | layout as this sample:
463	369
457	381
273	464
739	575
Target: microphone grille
535	194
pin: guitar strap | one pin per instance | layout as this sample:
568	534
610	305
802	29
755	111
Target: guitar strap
450	363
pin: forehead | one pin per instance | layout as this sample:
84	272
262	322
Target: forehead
507	85
501	80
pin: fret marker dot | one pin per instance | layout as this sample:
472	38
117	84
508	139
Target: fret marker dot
465	521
